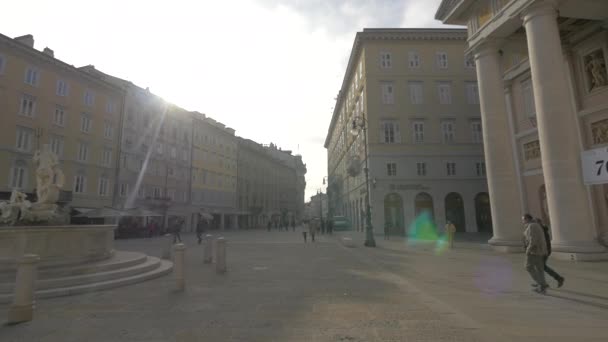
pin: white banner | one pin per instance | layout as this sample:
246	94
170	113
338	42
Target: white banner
595	166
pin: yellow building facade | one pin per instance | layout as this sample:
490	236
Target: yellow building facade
46	101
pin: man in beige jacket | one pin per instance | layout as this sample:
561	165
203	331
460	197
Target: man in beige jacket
536	250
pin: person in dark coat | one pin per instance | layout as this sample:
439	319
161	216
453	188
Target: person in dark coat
176	228
560	280
200	229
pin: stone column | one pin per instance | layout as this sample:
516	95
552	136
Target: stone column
572	226
179	267
500	165
22	309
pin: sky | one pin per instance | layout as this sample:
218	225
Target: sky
270	69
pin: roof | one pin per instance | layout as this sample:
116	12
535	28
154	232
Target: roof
370	34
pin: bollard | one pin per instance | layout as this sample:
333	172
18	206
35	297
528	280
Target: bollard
167	245
179	251
220	255
208	249
22	309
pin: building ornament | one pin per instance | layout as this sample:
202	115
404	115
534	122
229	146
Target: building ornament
532	150
599	132
595	69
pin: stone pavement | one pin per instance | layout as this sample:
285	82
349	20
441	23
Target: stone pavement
279	289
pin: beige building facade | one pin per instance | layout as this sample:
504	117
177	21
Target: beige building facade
541	66
419	96
214	171
46	101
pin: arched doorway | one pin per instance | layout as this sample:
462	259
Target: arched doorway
424	203
454	211
393	214
483	213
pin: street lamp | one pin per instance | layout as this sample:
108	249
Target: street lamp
360	124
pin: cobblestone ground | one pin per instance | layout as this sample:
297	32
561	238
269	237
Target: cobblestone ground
280	289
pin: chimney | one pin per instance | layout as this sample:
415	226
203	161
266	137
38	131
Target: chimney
28	40
48	52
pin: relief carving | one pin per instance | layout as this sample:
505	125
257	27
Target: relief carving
595	69
599	132
532	150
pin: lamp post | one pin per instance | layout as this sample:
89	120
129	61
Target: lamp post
360	124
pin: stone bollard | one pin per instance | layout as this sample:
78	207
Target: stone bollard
22	309
208	249
167	245
220	255
179	251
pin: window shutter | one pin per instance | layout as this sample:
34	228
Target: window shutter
397	133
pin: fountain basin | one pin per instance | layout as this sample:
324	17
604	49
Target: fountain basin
56	245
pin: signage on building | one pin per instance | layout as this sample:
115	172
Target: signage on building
595	166
404	187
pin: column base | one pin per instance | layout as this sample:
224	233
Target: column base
580	256
579	251
20	313
506	246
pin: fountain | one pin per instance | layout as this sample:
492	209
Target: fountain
73	258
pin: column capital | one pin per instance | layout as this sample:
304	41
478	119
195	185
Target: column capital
540	8
487	48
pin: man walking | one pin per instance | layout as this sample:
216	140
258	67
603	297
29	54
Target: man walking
560	280
536	251
312	228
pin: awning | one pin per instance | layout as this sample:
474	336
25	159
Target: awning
100	212
140	212
205	216
82	210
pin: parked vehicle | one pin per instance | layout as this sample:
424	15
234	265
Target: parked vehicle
341	223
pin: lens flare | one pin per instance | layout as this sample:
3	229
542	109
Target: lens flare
494	276
424	231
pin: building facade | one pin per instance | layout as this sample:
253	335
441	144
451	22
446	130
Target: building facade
544	102
271	185
419	96
44	101
214	171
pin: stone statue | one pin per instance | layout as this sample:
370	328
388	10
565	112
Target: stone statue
49	180
596	69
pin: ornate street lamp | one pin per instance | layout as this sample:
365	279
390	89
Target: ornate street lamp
359	125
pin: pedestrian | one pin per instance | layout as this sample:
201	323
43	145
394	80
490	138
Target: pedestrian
176	228
387	228
330	226
200	229
560	280
536	250
450	230
293	225
269	226
305	226
313	227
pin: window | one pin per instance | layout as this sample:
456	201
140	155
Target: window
83	152
108	129
80	183
103	187
528	96
171	194
388	96
480	169
415	88
469	62
2	64
141	192
159	148
447	131
24	139
442	60
106	157
31	76
476	132
391	169
85	123
204	175
173	152
89	98
418	130
390	132
185	155
445	93
414	60
59	116
123	191
170	172
28	105
451	169
57	145
156	192
472	93
111	107
62	88
18	177
421	169
385	60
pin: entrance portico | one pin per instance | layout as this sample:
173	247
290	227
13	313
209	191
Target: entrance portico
493	26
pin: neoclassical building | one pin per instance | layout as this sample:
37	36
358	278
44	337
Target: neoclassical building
419	95
541	67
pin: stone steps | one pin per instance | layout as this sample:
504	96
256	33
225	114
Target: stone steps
123	269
